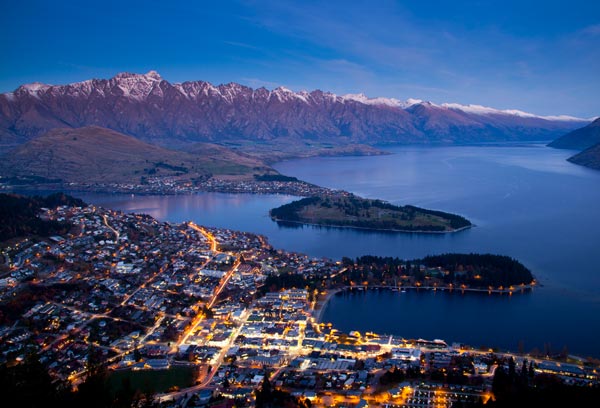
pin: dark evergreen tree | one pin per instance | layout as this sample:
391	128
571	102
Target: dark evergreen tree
137	355
31	385
125	395
512	371
263	394
94	391
531	371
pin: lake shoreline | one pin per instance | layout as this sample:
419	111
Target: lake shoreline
511	194
318	312
278	220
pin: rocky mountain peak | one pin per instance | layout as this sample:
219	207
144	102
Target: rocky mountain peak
150	108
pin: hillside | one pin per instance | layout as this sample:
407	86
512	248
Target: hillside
19	215
97	155
356	212
590	157
258	120
579	139
278	150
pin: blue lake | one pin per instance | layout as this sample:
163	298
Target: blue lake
526	201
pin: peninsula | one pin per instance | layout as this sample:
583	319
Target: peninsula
348	210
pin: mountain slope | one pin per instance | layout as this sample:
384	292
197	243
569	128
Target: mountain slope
590	157
579	139
19	215
97	155
176	115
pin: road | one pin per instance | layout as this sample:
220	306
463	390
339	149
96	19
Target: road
215	367
200	316
210	237
117	233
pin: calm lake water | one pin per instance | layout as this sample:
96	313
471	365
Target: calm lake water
526	201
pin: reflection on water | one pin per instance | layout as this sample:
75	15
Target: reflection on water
527	202
235	211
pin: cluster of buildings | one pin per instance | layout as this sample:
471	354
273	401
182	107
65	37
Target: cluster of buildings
174	185
146	295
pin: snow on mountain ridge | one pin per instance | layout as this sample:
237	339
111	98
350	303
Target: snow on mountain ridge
153	74
150	76
36	87
284	94
139	86
362	98
485	110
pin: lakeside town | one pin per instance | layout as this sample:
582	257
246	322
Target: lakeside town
148	297
164	185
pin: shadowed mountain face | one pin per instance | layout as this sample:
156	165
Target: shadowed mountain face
97	155
586	139
579	139
590	157
176	115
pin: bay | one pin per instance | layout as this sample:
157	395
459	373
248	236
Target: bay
526	201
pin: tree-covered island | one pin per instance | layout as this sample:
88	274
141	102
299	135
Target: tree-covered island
453	271
356	212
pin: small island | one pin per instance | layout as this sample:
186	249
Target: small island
489	272
460	272
348	210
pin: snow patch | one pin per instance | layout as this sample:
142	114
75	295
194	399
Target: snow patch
303	96
410	102
182	91
153	75
485	110
137	86
35	87
284	90
396	103
567	118
284	94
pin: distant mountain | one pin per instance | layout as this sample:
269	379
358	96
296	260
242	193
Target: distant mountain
590	157
586	139
579	139
176	115
97	155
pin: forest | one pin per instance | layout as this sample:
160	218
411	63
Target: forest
466	271
19	215
473	270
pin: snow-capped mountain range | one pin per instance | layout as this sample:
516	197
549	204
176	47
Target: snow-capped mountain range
152	109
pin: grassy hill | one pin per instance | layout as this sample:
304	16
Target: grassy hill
98	155
272	151
220	154
356	212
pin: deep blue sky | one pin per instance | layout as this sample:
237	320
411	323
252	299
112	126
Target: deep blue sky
538	56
